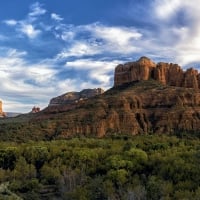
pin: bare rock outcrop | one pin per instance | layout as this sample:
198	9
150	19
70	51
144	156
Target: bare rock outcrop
134	71
166	73
35	109
2	114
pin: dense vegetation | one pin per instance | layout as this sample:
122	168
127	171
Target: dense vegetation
140	167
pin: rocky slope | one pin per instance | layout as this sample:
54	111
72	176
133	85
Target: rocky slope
147	98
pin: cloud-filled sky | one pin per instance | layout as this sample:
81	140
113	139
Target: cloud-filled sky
48	48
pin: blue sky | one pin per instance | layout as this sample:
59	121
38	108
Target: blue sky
48	48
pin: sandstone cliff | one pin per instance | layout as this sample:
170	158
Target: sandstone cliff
166	73
136	108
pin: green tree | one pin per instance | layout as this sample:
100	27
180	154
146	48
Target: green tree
8	158
23	170
36	155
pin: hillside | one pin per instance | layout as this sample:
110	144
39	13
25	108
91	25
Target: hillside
134	107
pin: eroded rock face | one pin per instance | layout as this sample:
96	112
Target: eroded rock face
166	73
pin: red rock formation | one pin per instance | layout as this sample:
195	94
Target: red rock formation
1	110
134	71
168	74
35	109
140	108
2	114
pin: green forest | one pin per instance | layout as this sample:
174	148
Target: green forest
141	167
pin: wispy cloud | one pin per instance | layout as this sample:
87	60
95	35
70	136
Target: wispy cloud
36	10
95	39
79	49
29	82
56	17
10	22
99	71
27	26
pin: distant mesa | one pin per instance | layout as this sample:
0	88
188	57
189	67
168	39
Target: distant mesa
166	73
71	100
75	97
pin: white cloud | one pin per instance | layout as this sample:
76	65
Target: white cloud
79	49
36	10
102	39
121	36
23	82
165	9
29	30
66	36
86	64
10	22
56	17
97	70
187	36
117	39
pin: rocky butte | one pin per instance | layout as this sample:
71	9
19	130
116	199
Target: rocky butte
166	73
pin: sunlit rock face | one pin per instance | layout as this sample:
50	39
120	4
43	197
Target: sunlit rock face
2	114
166	73
134	71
